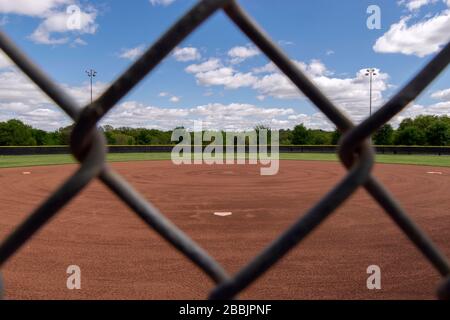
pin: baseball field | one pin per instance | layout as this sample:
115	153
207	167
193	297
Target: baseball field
122	258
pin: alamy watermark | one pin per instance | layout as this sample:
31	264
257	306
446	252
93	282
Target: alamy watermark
227	148
374	280
374	19
74	279
74	17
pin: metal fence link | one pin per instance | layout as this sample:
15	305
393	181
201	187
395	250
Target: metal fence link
356	153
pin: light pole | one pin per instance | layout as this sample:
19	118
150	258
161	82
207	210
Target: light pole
91	74
370	73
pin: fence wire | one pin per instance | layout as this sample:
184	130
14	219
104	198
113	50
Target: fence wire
355	151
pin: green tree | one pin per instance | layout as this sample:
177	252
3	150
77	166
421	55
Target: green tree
423	122
384	135
438	133
285	137
320	137
64	134
422	130
122	139
335	136
300	135
16	133
262	127
52	138
40	136
410	136
144	137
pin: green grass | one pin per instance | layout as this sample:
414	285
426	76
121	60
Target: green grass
426	160
40	160
55	159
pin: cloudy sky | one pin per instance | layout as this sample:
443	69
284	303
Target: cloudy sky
216	75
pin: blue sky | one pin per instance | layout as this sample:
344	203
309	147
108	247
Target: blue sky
216	75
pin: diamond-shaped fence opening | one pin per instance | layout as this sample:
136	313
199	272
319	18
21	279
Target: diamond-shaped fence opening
356	153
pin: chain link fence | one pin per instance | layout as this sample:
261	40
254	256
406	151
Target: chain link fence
355	152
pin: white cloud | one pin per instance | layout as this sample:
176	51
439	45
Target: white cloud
186	54
172	98
57	22
267	68
441	95
226	77
237	116
55	19
215	116
38	8
79	42
351	94
20	98
82	94
213	73
132	53
285	43
5	62
16	88
276	85
175	99
414	5
161	2
439	109
421	39
239	54
209	65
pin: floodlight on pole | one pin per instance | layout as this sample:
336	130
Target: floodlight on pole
370	73
91	74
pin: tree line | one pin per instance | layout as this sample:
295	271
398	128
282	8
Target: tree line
421	131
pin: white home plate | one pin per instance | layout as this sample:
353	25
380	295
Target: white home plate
434	172
26	172
223	214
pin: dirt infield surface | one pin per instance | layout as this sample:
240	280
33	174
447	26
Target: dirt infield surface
121	258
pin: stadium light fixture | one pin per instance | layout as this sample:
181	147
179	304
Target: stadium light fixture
370	73
91	74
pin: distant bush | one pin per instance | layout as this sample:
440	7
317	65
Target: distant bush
16	133
384	136
423	130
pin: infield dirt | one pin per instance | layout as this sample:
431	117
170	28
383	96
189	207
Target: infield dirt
122	258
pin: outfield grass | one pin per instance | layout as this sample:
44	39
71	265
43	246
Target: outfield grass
40	160
426	160
54	159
